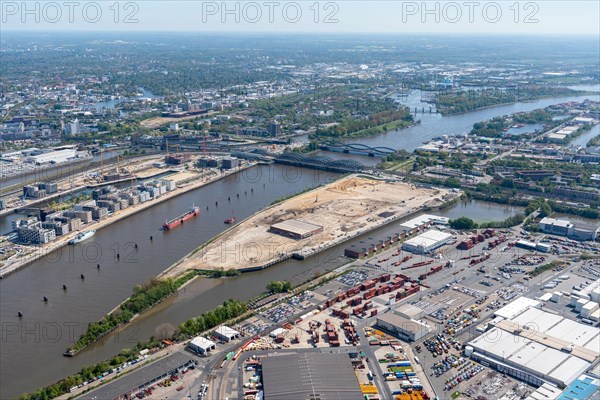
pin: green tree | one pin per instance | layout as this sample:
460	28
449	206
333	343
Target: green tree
279	286
545	210
463	223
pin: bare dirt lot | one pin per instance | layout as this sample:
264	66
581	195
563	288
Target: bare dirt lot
157	122
343	208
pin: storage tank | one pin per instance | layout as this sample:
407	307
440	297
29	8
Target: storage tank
468	351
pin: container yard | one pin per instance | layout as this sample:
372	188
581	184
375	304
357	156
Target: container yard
344	209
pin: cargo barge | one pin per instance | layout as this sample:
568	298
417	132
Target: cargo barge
186	216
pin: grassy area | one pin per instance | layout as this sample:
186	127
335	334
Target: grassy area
455	394
405	165
543	268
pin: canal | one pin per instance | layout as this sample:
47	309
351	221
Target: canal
481	211
586	137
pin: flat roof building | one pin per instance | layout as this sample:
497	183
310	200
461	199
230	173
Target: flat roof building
537	346
310	376
545	392
516	307
427	241
405	328
583	388
422	222
563	227
296	229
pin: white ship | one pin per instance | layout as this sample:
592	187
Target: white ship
82	236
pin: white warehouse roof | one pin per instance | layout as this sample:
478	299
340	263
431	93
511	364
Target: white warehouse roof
545	392
535	358
227	331
418	221
428	239
203	343
516	307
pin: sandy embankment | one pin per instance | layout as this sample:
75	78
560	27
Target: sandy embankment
344	208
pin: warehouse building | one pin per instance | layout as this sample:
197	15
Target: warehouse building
367	247
226	333
545	392
583	388
310	376
422	222
563	227
55	156
536	346
296	229
201	345
427	241
406	329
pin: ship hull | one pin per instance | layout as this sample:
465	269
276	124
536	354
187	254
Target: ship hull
181	219
81	238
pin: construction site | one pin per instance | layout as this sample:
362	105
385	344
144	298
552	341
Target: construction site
311	222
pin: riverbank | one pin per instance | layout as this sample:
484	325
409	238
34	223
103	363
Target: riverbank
71	387
532	100
48	248
79	188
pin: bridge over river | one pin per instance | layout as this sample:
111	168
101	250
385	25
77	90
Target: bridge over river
358	149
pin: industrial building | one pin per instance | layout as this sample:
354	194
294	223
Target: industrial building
141	378
545	392
536	346
427	241
406	329
226	333
583	388
362	249
421	223
310	376
201	345
586	301
56	156
296	229
563	227
230	163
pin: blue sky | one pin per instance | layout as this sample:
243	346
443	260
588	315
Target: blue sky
352	16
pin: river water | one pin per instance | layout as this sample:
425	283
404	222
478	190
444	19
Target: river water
45	326
433	125
44	332
583	139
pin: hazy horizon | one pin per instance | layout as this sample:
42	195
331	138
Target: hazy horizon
347	16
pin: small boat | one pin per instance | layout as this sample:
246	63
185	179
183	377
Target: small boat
20	314
231	219
45	299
